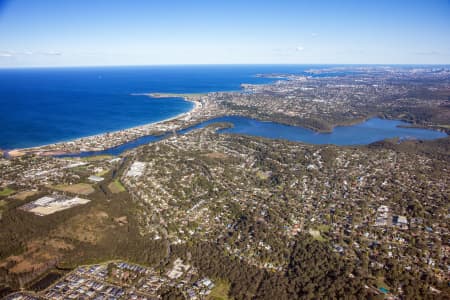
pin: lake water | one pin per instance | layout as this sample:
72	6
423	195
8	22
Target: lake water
43	106
360	134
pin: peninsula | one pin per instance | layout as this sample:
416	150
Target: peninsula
318	103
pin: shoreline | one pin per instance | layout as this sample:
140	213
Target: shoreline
182	121
194	98
200	101
203	109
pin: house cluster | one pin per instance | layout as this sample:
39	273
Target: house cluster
385	218
31	172
22	296
203	107
200	289
34	171
76	287
200	185
136	169
382	216
122	280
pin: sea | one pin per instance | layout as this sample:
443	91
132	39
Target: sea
46	105
40	106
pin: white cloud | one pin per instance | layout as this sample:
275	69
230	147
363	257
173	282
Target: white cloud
51	53
5	54
300	48
22	53
427	53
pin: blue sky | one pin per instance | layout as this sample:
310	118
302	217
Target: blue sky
116	32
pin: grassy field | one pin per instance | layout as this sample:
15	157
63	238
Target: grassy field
116	187
263	175
102	173
24	195
79	188
220	291
316	235
98	157
6	192
323	228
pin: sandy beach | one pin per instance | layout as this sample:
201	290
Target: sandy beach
111	139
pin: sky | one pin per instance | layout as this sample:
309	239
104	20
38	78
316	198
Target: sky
161	32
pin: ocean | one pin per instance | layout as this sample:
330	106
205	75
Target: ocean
42	106
47	105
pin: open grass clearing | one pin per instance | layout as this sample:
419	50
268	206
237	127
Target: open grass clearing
116	187
98	157
23	195
220	291
316	235
79	188
6	192
102	173
323	228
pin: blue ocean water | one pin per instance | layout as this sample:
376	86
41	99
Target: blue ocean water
42	106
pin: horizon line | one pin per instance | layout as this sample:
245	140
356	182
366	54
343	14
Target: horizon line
223	64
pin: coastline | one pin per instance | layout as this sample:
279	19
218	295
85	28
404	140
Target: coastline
204	108
128	134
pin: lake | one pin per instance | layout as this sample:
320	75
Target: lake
364	133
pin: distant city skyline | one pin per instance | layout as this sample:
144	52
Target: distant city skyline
103	33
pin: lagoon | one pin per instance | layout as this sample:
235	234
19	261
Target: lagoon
364	133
